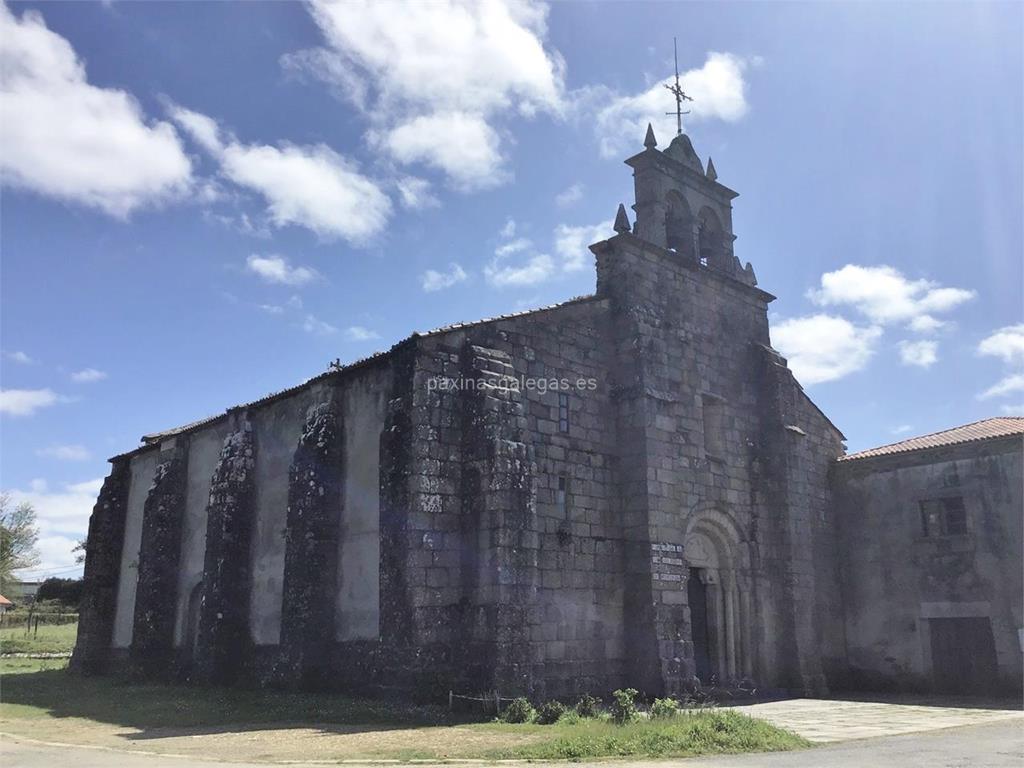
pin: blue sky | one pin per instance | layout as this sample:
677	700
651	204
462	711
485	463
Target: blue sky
206	202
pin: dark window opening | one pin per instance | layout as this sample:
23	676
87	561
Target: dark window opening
943	517
562	495
563	412
713	417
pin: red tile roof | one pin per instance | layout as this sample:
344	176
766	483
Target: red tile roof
986	429
5	601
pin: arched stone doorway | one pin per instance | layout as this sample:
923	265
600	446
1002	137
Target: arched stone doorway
719	596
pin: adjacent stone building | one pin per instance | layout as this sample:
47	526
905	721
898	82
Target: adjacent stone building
930	543
629	488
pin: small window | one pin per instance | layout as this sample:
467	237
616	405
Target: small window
714	424
943	517
561	497
956	516
563	412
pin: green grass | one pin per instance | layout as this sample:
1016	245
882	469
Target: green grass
44	687
50	638
38	689
697	732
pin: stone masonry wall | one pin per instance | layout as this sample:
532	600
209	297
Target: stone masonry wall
569	555
102	571
688	339
224	643
794	450
156	593
896	579
315	483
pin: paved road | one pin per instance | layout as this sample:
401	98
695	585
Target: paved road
994	745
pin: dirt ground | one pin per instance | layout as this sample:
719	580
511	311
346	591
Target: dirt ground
276	742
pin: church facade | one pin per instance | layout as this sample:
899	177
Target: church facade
626	489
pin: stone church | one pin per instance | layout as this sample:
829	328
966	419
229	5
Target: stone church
628	488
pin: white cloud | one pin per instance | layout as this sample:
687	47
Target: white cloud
25	402
1012	410
88	376
509	230
202	128
415	68
923	354
824	348
453	54
537	269
307	186
66	452
1006	343
1005	386
415	193
569	196
19	357
64	138
571	243
311	324
570	246
885	296
461	145
926	324
518	245
312	187
62	517
359	333
277	269
436	281
717	87
902	429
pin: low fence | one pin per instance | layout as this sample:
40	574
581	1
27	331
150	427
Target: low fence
31	621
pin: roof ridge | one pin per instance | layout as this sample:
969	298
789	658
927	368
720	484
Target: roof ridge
915	443
509	315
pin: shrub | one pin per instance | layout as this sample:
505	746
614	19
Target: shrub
624	706
519	711
550	712
588	706
664	708
570	717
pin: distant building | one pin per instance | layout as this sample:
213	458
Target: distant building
5	605
25	591
930	547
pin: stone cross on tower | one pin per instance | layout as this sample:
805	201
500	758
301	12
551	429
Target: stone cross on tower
677	91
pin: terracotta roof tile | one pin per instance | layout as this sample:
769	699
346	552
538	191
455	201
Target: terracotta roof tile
986	429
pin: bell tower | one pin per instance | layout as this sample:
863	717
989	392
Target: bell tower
682	207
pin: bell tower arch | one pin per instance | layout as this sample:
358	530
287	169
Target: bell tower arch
682	207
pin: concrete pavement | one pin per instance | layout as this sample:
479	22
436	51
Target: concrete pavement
825	721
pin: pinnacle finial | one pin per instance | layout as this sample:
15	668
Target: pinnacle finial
649	141
621	220
712	174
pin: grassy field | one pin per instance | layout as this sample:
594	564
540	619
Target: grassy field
43	701
58	638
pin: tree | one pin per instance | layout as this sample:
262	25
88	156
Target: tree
66	591
80	550
18	537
